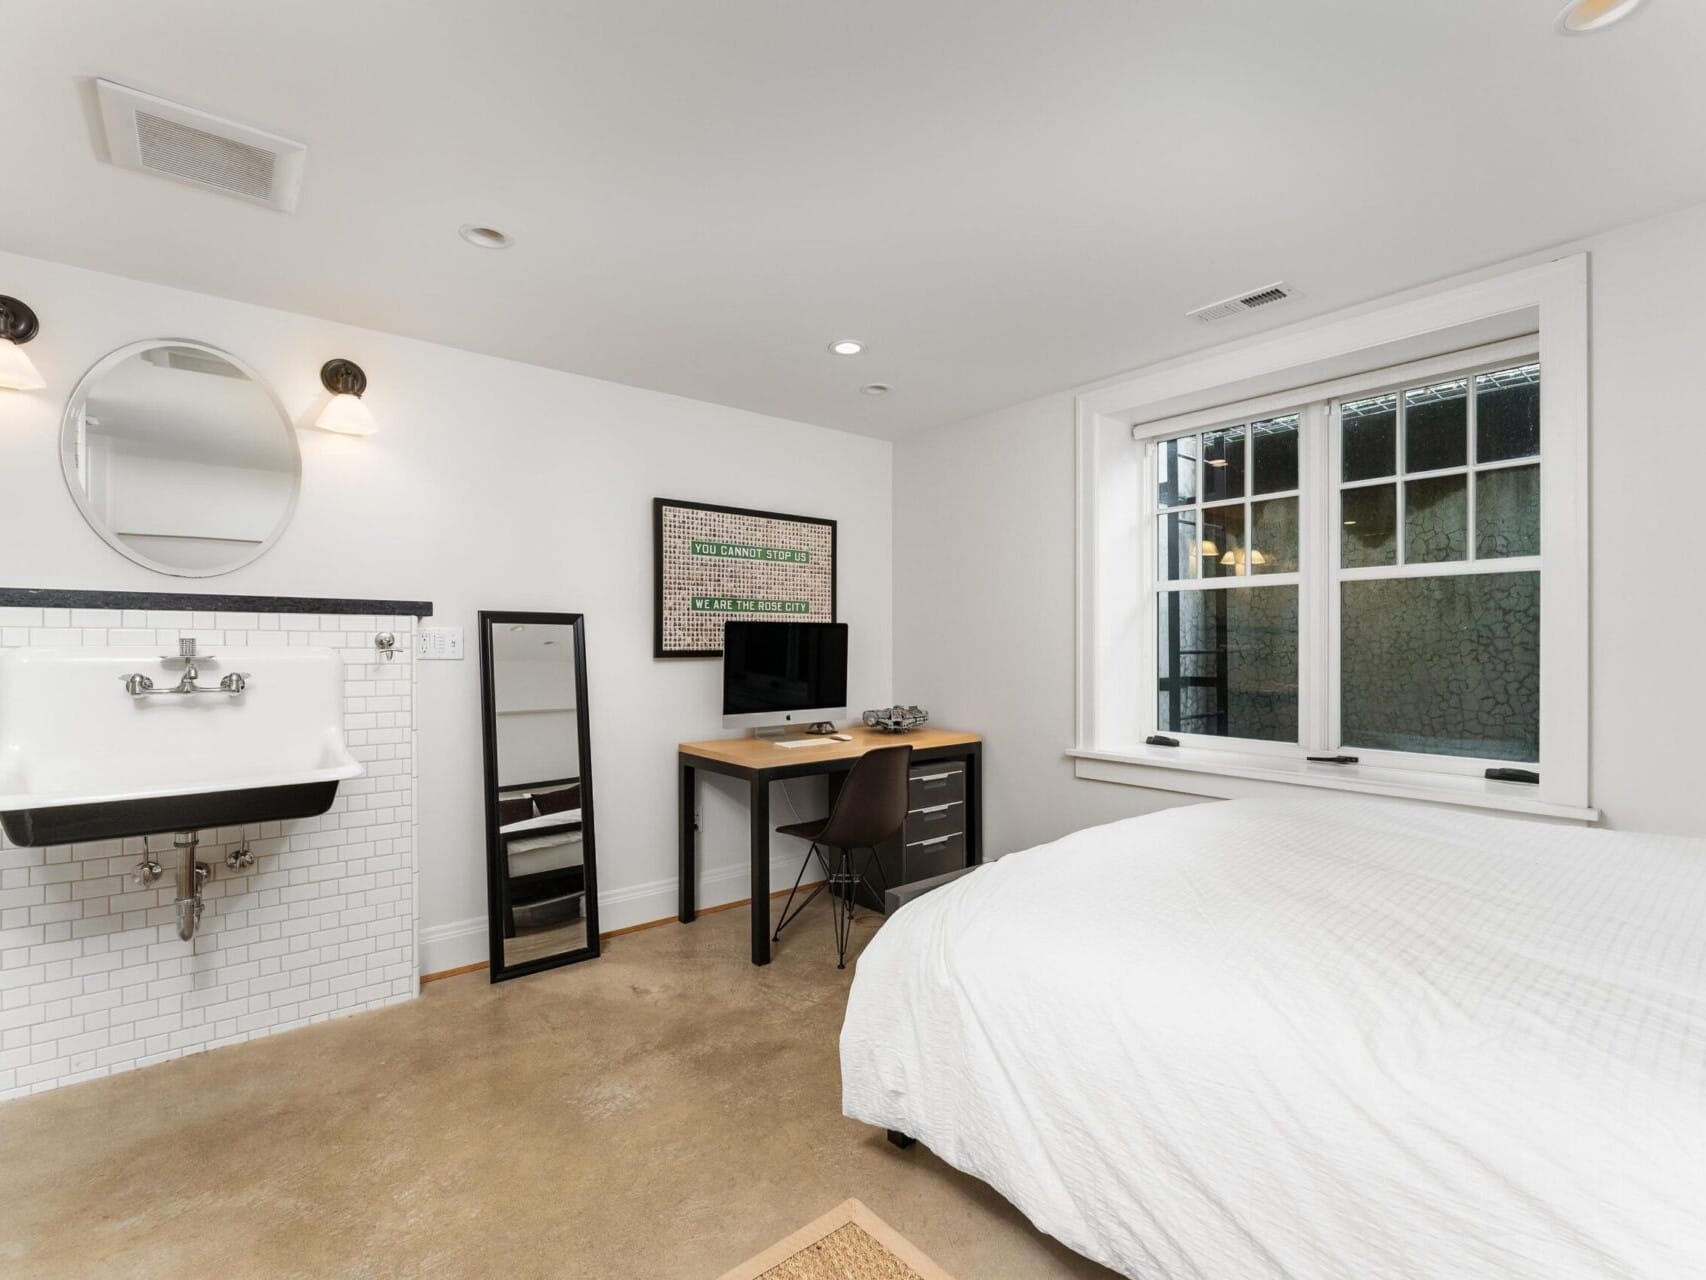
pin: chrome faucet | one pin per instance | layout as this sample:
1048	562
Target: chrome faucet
138	685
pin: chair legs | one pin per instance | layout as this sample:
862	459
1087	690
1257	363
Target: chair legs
843	884
804	863
845	894
841	904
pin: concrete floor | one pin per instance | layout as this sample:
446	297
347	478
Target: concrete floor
664	1111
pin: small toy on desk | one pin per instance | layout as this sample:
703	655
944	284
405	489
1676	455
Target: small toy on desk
896	719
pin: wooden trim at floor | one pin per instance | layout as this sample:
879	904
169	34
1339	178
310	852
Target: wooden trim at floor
617	933
453	973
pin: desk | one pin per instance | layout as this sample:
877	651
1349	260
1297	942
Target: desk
759	762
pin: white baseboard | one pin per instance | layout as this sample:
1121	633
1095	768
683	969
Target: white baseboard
452	945
464	942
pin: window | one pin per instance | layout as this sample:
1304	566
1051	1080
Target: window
1363	535
1227	530
1438	571
1357	571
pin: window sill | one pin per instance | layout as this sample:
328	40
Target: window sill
1228	775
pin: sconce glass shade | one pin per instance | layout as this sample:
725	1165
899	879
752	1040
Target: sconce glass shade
346	415
17	370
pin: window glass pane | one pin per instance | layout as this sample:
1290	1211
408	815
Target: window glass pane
1507	512
1507	413
1436	426
1436	520
1274	444
1223	464
1223	541
1228	662
1447	665
1369	437
1273	536
1178	546
1177	462
1369	533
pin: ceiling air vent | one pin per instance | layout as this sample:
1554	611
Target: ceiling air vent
1266	296
175	141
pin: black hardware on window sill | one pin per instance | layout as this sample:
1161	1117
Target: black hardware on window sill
1332	759
1513	775
1160	740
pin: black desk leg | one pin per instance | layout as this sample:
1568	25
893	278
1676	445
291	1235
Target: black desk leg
759	804
688	899
974	808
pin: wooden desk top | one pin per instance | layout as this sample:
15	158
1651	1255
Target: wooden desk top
757	753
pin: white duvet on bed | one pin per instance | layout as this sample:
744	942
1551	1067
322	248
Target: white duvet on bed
1312	1038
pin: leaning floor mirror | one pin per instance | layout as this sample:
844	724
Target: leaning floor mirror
541	884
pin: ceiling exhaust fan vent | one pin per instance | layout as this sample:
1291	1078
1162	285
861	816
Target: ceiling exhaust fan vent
175	141
1267	295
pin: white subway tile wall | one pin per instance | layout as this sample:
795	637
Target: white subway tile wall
93	977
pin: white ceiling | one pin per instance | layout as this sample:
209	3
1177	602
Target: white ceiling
1001	197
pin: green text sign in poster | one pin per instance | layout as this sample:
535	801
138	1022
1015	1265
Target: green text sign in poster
729	604
735	551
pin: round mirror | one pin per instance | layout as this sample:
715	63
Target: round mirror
180	457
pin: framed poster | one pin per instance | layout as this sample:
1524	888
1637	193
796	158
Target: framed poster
713	563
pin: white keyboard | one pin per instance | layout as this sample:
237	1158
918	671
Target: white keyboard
791	743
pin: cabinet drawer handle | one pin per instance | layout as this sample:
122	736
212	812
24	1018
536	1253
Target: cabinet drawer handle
937	777
921	844
937	808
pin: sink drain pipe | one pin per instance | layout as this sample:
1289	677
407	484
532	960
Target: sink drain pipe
191	876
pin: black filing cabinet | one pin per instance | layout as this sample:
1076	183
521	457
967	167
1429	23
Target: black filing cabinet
934	838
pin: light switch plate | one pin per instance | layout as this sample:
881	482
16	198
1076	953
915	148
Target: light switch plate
438	644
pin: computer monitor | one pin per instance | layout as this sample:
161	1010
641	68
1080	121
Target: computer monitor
784	673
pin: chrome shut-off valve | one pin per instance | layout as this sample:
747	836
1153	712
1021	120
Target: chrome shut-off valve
146	872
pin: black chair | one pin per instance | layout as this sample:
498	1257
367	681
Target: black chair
870	809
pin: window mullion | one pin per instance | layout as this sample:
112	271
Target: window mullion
1401	480
1469	452
1333	541
1314	516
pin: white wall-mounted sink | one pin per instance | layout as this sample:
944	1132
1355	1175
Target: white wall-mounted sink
81	758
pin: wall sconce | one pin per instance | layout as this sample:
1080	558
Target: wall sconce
18	325
345	413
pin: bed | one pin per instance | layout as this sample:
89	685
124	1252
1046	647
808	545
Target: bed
1319	1038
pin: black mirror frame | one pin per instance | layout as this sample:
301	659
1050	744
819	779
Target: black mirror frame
488	726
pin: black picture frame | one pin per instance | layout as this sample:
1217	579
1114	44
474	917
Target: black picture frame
659	505
496	859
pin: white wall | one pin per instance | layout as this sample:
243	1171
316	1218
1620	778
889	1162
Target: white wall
992	500
491	485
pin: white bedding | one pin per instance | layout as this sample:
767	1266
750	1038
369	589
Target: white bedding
1319	1038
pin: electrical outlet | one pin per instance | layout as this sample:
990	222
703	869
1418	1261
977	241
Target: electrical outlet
438	644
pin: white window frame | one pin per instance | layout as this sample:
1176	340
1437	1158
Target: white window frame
1321	573
1117	562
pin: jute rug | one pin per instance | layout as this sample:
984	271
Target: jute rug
847	1243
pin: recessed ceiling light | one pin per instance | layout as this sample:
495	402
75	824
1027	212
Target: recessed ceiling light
847	347
1584	17
517	626
484	237
875	388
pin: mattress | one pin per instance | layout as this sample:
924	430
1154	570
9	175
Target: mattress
531	855
1314	1038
